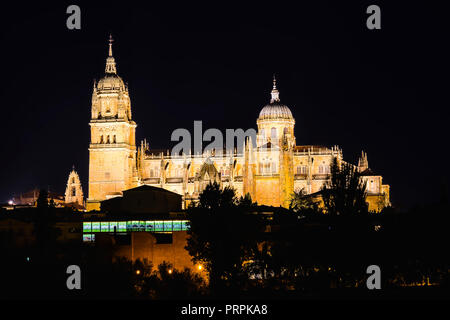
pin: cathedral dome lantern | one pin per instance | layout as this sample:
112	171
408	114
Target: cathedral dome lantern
110	97
275	121
275	110
111	81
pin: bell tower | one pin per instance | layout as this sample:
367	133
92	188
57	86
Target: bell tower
74	191
112	149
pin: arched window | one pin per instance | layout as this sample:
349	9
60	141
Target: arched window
107	139
73	179
101	139
151	173
285	130
321	169
273	134
74	192
263	133
114	139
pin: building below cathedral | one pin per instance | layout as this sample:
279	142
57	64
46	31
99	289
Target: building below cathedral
29	199
270	169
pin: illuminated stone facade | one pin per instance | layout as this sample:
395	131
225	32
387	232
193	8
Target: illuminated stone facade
74	191
112	151
270	169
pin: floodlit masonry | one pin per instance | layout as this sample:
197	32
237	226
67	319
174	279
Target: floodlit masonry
270	169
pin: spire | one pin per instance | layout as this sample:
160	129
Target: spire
110	45
363	163
275	94
110	62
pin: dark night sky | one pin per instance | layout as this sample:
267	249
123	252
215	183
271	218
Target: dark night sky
380	91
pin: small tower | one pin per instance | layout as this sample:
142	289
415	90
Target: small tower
74	191
363	164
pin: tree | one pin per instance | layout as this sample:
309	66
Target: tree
222	236
246	201
215	197
169	283
42	200
345	193
44	224
301	202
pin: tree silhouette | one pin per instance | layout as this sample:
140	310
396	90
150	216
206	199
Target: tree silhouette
246	202
214	197
222	236
42	200
345	193
44	225
303	203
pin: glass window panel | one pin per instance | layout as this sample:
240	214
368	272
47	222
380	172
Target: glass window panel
112	224
159	225
122	226
177	225
149	225
87	226
129	225
88	237
95	226
104	226
135	225
167	225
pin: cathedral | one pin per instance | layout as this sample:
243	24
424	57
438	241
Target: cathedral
269	169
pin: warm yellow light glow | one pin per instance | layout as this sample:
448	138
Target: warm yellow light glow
170	271
138	271
199	267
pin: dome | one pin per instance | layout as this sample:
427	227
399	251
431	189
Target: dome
275	109
111	81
